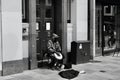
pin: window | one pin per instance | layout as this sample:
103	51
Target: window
68	11
48	13
38	12
25	10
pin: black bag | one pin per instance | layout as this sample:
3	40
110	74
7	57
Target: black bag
68	66
69	74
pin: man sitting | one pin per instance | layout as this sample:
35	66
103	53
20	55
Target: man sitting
54	51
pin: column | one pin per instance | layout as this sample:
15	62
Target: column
79	19
32	34
64	29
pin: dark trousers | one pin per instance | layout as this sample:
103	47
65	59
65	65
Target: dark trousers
55	62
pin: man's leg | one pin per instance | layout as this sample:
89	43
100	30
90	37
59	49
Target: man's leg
52	62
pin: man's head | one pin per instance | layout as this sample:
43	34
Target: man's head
55	36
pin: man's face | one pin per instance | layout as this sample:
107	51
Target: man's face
54	39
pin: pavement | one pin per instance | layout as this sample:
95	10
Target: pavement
101	68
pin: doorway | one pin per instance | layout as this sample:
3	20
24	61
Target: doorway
45	26
49	20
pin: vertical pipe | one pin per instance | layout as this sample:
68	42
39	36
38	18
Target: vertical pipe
1	41
92	26
103	40
69	10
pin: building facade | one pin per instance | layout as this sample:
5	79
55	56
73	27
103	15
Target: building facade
26	25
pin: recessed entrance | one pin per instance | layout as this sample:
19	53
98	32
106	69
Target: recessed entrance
47	17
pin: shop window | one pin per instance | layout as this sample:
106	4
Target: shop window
25	11
109	27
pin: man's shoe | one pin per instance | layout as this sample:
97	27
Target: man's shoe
57	68
53	68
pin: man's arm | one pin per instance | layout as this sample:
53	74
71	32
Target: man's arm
50	46
58	47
